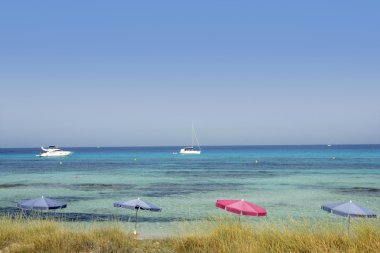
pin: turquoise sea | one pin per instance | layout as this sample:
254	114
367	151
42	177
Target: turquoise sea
289	181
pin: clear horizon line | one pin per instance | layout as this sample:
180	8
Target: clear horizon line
231	145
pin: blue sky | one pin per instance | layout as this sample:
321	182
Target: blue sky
131	73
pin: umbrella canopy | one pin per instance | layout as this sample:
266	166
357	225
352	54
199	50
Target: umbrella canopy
137	204
41	204
348	209
241	207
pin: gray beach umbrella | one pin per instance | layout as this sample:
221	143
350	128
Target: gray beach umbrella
348	209
41	204
137	204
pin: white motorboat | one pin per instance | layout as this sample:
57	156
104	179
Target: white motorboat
192	150
54	151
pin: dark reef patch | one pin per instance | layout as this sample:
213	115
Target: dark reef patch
69	199
359	191
87	217
217	173
78	187
101	187
6	186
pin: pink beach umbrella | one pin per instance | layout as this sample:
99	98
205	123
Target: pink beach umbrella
241	207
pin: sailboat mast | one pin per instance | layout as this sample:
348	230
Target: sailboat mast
192	135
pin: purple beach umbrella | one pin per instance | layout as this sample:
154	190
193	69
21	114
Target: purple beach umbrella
348	209
41	204
138	204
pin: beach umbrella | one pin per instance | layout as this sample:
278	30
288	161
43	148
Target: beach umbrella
41	204
137	204
348	209
241	207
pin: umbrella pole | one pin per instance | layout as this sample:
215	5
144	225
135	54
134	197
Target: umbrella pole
135	232
348	226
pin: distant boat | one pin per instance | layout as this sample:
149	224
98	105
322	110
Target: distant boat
329	145
54	151
192	150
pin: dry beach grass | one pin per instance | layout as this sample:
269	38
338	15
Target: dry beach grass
36	235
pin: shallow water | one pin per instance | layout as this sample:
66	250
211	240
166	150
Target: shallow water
289	181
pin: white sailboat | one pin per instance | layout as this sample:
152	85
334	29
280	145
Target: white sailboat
192	150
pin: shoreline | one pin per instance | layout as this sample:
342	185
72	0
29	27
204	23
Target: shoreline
206	146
